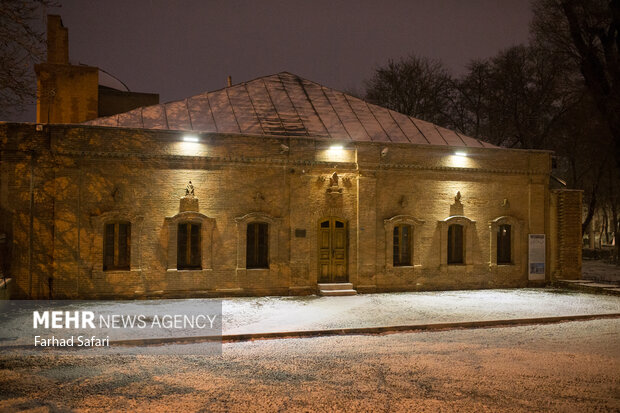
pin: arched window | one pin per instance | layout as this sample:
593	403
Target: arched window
116	246
456	240
402	245
506	242
190	241
189	255
504	248
257	248
455	244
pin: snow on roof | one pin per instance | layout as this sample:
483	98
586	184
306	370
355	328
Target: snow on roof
287	105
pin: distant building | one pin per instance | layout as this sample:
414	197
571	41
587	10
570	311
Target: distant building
275	186
68	93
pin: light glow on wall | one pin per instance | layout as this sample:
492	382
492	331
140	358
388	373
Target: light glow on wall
460	160
336	153
191	145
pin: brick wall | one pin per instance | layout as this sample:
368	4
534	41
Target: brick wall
85	176
566	234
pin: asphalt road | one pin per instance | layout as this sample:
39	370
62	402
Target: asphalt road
573	366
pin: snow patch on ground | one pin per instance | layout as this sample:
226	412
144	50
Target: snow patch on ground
267	314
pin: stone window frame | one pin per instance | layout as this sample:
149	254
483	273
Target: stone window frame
273	231
469	227
206	228
516	235
99	223
389	224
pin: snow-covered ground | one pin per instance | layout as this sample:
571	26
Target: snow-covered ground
600	271
267	314
275	314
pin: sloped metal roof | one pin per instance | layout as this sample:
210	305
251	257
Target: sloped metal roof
287	105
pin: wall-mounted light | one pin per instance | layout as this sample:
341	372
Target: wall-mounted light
384	152
191	138
460	159
336	152
192	145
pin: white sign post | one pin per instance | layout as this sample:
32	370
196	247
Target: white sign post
536	267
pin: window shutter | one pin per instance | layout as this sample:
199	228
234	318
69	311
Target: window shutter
123	245
108	247
251	246
396	249
504	248
263	245
455	244
195	246
182	246
405	247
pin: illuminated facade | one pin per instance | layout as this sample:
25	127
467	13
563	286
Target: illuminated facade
292	184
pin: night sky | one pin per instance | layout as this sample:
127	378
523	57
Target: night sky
182	48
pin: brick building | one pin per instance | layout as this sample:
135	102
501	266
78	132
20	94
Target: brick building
274	186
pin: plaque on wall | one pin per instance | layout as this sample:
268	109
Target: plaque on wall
300	233
536	257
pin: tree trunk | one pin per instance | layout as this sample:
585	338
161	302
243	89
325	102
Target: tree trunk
591	208
616	224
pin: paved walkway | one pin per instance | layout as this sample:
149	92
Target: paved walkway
596	276
597	270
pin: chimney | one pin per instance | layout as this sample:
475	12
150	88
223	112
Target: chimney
57	41
229	81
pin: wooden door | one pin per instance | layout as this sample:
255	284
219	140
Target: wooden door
332	243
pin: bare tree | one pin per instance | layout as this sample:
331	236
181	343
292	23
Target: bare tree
515	99
583	140
415	86
470	109
587	31
21	45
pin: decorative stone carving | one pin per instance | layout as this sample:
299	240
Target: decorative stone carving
115	194
189	189
259	197
457	207
189	202
402	202
333	180
334	184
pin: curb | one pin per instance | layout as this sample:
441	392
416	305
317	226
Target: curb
234	338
